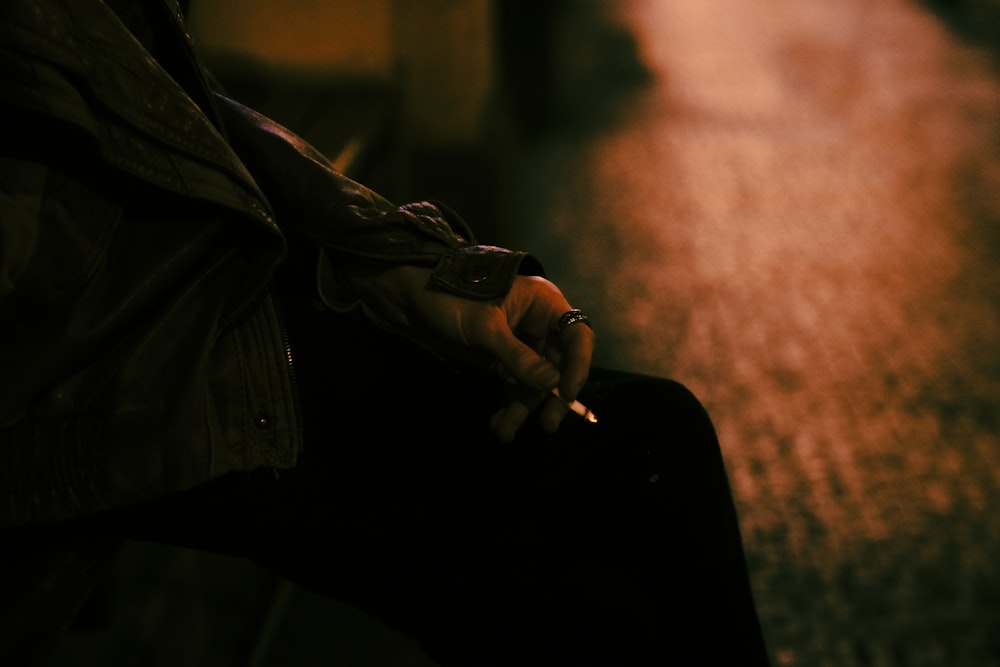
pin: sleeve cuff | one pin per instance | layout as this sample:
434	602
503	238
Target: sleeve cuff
481	271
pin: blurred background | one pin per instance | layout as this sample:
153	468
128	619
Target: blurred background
792	206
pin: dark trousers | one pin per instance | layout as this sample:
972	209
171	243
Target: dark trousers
609	544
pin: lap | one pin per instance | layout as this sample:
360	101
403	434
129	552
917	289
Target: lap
404	504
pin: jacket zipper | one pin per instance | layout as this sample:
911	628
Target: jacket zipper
286	346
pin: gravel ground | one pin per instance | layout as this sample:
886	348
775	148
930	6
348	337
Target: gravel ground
797	215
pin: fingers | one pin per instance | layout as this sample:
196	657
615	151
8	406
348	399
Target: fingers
548	351
576	343
524	364
561	355
569	351
507	421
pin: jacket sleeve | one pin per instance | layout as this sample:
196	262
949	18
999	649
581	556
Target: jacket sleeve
351	222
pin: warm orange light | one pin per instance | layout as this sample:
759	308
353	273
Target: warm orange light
577	407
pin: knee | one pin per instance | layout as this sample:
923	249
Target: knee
661	415
658	402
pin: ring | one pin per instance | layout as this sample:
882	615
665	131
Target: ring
571	317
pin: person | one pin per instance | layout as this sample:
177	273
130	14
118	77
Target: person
211	338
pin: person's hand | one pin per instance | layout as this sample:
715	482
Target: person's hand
519	337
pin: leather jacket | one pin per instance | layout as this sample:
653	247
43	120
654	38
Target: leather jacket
142	217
